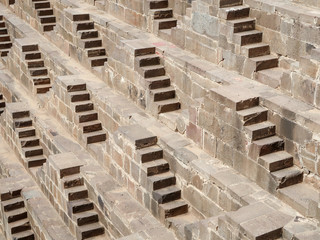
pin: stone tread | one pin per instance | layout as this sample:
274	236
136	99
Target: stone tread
287	172
258	126
251	111
268	140
15	212
274	158
23	235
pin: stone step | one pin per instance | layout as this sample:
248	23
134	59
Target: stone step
85	34
264	62
260	130
161	94
41	4
2	24
167	194
276	161
80	17
79	206
38	71
35	161
265	146
31	48
76	193
22	122
234	12
25	235
161	13
90	43
3	31
4	52
32	151
74	87
82	106
47	27
47	19
74	180
147	60
45	12
98	61
29	142
26	132
230	3
32	55
253	115
156	4
92	126
42	88
248	37
84	25
85	218
2	103
12	204
5	38
166	23
255	50
87	116
17	115
149	154
152	71
288	176
158	82
35	63
16	215
19	226
159	181
93	137
242	24
155	167
79	96
90	230
94	52
5	45
41	81
172	209
167	105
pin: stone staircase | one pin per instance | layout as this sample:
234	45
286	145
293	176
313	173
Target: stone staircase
161	94
5	40
155	175
89	40
37	71
241	29
161	15
77	98
266	147
2	104
28	142
69	182
15	217
45	14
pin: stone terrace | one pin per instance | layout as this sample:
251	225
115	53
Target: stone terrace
159	119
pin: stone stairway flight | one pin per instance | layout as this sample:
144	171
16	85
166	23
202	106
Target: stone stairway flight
45	14
16	218
2	104
86	116
162	15
245	34
30	146
89	40
5	40
162	95
37	71
267	148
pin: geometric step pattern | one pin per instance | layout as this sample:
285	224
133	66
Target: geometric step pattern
89	40
45	14
16	219
2	104
160	181
162	15
87	117
5	40
245	35
267	148
29	142
37	70
162	94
